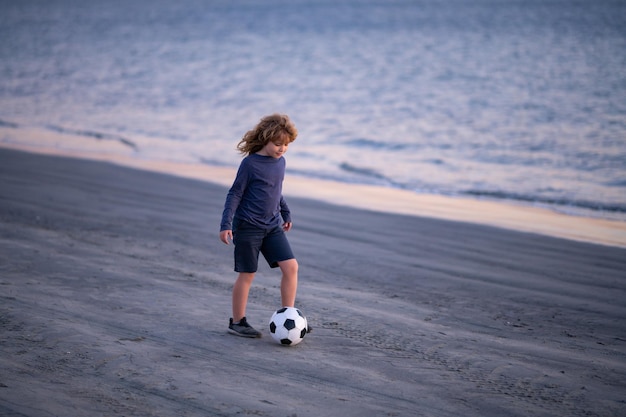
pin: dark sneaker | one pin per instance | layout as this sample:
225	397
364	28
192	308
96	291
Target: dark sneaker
243	329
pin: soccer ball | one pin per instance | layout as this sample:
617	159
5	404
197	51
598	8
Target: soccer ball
288	326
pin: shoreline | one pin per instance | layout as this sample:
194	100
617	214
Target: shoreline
518	217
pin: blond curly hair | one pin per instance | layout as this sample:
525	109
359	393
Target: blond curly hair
277	128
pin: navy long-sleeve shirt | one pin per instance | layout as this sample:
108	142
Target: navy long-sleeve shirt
256	194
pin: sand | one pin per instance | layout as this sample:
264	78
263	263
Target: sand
115	295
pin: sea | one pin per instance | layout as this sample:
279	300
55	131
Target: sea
521	101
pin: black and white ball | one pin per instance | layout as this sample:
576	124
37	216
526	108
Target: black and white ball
288	326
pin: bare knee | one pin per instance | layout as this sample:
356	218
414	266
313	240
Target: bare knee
289	267
245	278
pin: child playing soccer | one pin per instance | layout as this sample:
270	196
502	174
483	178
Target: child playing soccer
256	216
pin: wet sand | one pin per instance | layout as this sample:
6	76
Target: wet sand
115	295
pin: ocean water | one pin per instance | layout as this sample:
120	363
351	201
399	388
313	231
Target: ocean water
493	99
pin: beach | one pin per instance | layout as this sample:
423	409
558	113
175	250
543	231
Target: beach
115	297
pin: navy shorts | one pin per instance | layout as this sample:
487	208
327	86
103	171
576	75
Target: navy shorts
249	240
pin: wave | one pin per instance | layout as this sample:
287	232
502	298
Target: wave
4	123
369	176
78	132
95	135
551	201
362	175
375	144
368	172
213	162
359	175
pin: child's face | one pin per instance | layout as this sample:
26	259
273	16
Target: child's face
274	149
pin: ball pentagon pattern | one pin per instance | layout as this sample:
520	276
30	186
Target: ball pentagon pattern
288	326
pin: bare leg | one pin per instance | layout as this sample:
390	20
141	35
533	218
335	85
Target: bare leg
240	294
289	282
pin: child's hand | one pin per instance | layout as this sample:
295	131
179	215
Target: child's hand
226	236
287	226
